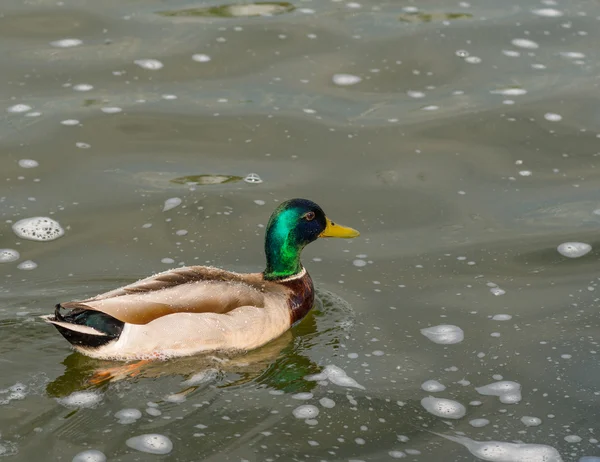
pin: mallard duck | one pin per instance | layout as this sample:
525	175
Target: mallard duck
196	309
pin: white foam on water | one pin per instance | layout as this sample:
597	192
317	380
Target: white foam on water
444	334
28	163
27	265
572	439
176	398
345	80
38	229
8	448
152	443
111	109
432	386
359	263
70	122
9	255
81	399
16	392
91	455
415	94
306	411
502	317
478	423
83	87
200	378
335	375
150	64
589	459
573	54
510	92
327	403
302	396
548	12
253	178
529	421
153	411
397	454
552	117
441	407
501	451
172	203
525	43
574	249
128	416
66	43
201	58
19	108
508	392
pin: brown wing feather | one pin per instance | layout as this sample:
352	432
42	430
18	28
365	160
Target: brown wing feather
179	276
194	289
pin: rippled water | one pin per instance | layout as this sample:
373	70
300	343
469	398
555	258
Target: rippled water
461	139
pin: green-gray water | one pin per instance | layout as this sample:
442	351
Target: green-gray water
460	138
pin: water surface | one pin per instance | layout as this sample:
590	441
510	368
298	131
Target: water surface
460	138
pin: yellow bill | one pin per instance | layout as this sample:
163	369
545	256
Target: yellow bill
335	230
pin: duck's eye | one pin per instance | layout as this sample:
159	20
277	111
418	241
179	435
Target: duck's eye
309	216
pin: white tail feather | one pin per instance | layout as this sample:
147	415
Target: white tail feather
74	327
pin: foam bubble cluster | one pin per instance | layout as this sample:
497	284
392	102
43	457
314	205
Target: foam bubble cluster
335	375
16	392
444	334
327	403
201	58
27	265
19	108
171	203
81	399
500	451
574	249
127	416
529	421
28	163
502	317
9	255
150	64
432	386
38	229
345	80
306	411
552	117
478	423
525	43
253	178
445	408
152	443
548	12
508	392
91	455
66	43
201	377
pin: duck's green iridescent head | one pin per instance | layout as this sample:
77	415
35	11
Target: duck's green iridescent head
292	225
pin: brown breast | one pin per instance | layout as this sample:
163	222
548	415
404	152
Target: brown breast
302	296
